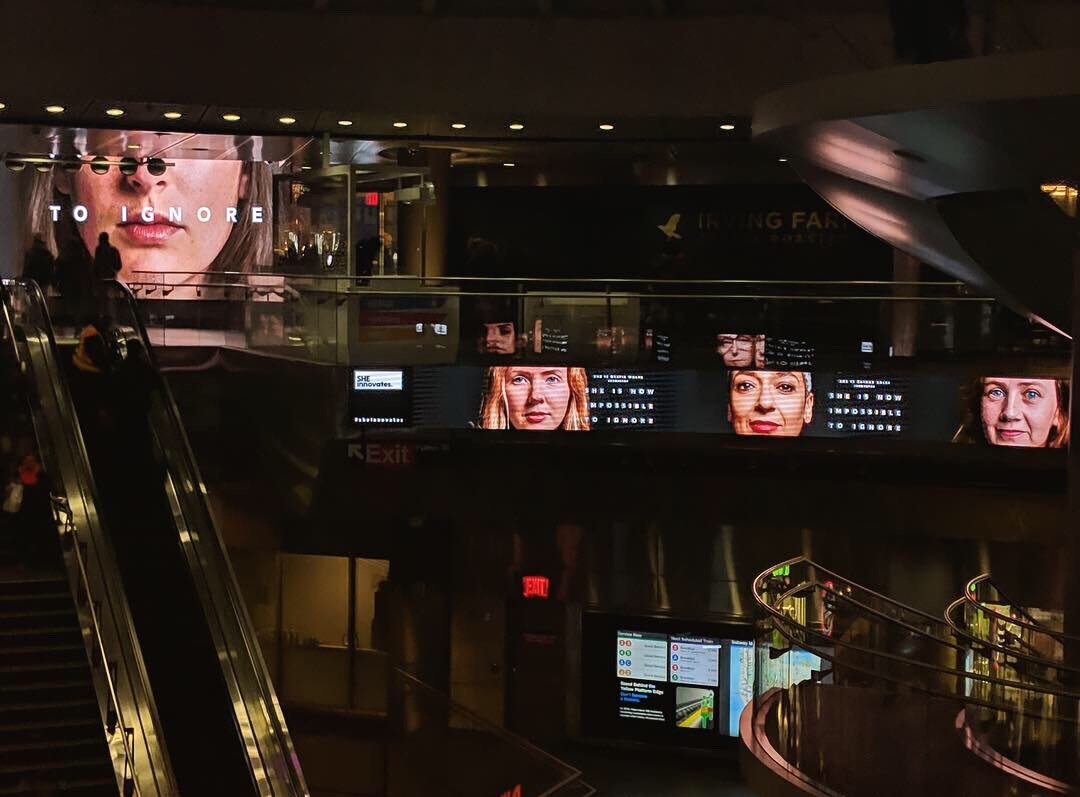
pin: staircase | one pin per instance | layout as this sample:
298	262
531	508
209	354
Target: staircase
51	736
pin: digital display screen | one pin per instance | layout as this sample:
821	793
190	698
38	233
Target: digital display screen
867	406
202	215
684	681
378	380
792	667
378	397
751	402
1016	411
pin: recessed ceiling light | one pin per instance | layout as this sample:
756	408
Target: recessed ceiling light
344	122
727	127
781	160
172	115
517	126
508	164
305	168
607	128
114	112
401	124
231	117
134	146
287	120
54	108
2	106
458	125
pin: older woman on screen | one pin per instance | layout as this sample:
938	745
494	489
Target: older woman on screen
775	403
1019	411
535	398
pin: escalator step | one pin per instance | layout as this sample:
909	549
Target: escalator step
57	731
14	669
92	764
29	613
73	787
48	706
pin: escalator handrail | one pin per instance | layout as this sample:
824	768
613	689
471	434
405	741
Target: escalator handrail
276	773
797	560
878	613
971	597
913	662
156	775
781	621
825	654
994	646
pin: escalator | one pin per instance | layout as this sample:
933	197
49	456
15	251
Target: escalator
219	717
901	701
76	712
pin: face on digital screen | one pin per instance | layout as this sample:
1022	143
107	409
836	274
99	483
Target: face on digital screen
152	240
496	338
777	403
741	351
536	398
1021	412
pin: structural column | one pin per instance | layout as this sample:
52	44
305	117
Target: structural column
905	314
423	226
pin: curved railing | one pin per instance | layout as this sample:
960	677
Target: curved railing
129	717
1021	728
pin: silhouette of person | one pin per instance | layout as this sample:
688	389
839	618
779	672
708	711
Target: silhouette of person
75	277
106	259
39	264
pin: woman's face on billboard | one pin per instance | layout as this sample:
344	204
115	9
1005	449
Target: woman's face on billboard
1019	412
773	403
537	398
187	240
739	351
496	338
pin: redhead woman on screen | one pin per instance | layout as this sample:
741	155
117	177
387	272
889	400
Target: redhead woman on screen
1021	412
535	398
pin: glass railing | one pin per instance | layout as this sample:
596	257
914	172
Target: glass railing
404	320
396	736
898	692
129	717
259	720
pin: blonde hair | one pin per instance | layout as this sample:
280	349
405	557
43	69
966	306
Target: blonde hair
247	246
495	414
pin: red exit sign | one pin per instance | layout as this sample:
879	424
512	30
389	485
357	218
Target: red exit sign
534	586
371	199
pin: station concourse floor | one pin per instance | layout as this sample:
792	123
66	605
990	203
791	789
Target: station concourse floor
633	772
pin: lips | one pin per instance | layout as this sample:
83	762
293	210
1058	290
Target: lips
537	417
1010	434
763	427
150	234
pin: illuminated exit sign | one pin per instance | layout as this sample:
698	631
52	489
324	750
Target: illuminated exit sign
534	586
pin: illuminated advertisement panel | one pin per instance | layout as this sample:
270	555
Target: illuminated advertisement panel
159	214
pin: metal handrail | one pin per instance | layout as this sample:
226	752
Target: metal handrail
63	509
521	286
781	621
158	777
572	280
995	647
971	597
230	625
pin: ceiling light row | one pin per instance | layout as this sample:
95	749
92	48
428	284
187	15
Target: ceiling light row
116	112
